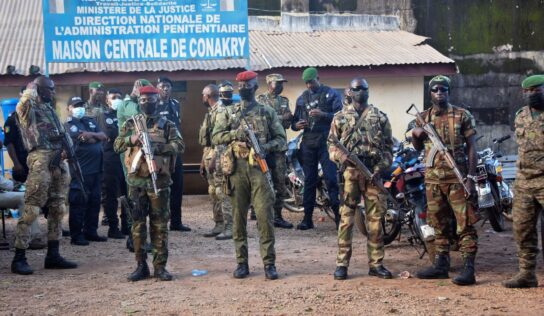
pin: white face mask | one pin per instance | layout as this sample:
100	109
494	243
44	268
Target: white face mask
115	104
78	112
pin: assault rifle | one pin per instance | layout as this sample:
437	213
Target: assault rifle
360	166
259	154
141	128
438	146
68	147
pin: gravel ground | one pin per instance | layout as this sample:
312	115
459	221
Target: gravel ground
305	262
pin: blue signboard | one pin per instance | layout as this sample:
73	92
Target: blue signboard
144	30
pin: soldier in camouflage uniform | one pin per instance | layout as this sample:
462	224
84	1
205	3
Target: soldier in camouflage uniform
246	181
166	142
278	162
456	128
97	103
210	167
529	185
364	131
225	92
48	177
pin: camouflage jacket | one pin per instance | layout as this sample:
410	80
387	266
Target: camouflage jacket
530	138
205	132
280	104
263	120
39	123
454	138
372	141
93	110
166	143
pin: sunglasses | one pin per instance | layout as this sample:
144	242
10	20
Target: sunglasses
359	88
441	89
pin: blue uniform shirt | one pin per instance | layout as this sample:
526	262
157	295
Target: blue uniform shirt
88	155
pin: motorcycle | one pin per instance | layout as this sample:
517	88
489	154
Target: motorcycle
494	195
294	182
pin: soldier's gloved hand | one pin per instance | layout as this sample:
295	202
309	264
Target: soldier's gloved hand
265	148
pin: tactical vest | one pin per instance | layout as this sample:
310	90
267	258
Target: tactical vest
316	102
258	119
42	131
530	139
135	159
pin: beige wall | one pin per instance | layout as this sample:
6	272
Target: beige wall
393	96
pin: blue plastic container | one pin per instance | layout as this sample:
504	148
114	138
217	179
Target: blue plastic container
8	106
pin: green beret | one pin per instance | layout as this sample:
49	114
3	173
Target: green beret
440	79
144	82
95	85
309	74
533	81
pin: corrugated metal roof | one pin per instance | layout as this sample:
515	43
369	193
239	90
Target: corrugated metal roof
21	42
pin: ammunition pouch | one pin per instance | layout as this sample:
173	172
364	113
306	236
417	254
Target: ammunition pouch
240	150
228	163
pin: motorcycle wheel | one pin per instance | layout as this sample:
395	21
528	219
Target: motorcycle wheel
290	203
494	213
391	227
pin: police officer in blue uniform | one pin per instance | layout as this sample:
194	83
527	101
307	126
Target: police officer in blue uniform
314	112
169	108
114	184
87	138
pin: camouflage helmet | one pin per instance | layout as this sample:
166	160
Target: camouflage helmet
225	91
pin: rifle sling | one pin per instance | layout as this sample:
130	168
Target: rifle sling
357	127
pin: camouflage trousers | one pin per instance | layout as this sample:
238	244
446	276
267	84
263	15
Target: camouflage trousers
157	207
45	186
528	203
249	186
279	172
442	200
222	207
355	186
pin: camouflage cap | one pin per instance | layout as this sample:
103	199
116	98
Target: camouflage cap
533	81
440	79
309	74
275	78
95	85
225	86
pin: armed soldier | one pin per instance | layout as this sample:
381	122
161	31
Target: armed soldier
314	111
249	180
169	108
210	167
529	185
446	188
48	177
97	100
362	130
277	161
150	143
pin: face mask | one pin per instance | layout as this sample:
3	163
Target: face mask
535	100
78	112
278	90
148	108
116	103
226	101
245	94
359	96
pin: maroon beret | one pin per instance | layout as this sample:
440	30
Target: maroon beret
148	90
246	75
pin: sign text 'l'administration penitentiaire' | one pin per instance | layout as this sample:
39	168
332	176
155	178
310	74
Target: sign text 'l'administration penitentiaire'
138	30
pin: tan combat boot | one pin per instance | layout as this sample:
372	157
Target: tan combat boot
226	234
218	228
524	279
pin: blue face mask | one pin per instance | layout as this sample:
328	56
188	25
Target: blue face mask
115	104
78	112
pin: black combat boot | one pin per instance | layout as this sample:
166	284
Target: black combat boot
270	272
280	222
439	270
19	264
380	272
53	260
341	273
306	223
466	277
161	274
141	272
179	227
115	233
242	271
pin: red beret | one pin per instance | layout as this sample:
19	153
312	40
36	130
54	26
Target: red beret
148	90
246	75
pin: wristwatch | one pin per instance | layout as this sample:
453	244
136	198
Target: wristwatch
472	177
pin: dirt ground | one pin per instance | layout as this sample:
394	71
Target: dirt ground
305	262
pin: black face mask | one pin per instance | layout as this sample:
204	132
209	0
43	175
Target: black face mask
148	108
278	90
246	94
226	101
360	97
535	100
